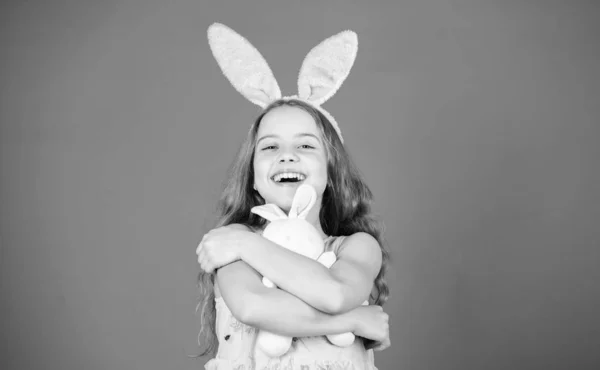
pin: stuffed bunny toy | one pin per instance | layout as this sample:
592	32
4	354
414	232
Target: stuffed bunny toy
298	235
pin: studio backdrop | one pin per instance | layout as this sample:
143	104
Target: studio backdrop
475	124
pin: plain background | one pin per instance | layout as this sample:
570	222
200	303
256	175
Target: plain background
476	124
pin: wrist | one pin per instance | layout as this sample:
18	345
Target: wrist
349	321
244	246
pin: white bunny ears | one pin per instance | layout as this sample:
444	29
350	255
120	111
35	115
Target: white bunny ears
322	73
304	199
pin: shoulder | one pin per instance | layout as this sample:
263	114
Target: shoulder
363	239
239	227
361	246
243	227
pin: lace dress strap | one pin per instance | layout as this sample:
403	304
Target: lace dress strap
334	243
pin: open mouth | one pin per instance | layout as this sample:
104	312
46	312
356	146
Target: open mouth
288	177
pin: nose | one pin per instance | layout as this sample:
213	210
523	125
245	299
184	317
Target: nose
288	156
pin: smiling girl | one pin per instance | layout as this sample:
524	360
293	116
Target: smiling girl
293	142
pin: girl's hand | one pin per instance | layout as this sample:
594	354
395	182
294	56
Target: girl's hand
221	246
373	324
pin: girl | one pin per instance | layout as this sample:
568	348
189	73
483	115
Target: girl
292	137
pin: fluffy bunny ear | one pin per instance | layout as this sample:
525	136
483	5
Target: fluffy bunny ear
243	65
326	67
304	199
269	212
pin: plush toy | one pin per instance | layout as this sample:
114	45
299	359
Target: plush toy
298	235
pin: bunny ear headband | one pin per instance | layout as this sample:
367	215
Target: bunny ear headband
322	73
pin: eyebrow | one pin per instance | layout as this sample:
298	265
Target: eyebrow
304	134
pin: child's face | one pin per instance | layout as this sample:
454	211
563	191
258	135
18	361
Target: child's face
289	142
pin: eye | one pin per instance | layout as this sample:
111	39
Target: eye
269	147
306	146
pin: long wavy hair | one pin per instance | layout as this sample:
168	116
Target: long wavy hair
345	210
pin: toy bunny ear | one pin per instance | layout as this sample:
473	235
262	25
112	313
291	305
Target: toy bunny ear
326	67
304	199
269	212
243	65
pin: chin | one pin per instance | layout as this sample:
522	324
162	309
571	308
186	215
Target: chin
283	195
284	204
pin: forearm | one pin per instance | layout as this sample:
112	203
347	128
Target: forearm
274	310
280	312
301	276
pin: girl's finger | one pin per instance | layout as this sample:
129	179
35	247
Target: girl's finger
384	345
206	267
201	244
379	348
203	260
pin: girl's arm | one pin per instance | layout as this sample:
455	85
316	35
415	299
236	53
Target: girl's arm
338	289
275	310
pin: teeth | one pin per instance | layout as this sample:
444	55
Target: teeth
289	175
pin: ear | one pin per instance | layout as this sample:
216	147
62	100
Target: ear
304	199
243	65
269	212
326	67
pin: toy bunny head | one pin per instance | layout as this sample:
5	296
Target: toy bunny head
292	231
